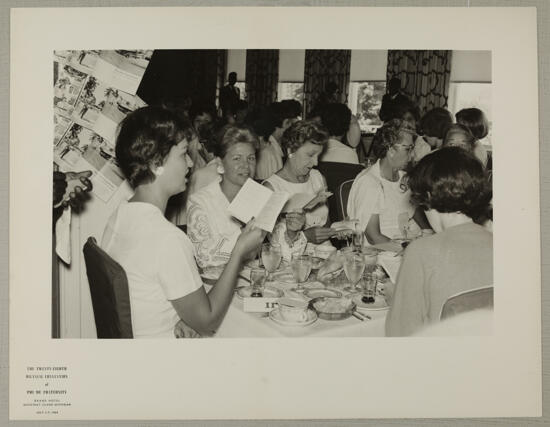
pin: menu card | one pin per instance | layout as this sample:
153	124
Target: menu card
258	202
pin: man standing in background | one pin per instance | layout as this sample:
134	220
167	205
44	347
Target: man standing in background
229	94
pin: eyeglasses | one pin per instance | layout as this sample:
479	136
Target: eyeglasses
408	148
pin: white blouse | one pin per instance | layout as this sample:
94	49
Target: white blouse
315	184
371	194
158	260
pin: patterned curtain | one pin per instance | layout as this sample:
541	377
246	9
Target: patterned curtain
221	70
262	76
321	67
424	74
204	74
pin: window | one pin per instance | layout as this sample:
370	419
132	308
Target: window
469	95
364	101
290	90
242	88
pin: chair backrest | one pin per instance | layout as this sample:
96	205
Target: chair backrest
109	291
467	301
342	195
335	174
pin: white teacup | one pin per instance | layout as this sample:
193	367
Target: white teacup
293	310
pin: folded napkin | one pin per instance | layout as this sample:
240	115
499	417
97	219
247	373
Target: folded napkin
63	236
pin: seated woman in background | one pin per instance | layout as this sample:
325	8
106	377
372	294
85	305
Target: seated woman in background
460	136
211	227
279	115
164	283
378	198
476	121
433	126
336	118
304	141
451	186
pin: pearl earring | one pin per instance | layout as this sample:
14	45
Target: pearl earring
159	171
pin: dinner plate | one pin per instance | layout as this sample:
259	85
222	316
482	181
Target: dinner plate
316	293
378	304
269	292
276	316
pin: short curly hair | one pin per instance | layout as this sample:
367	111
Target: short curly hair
467	142
388	135
436	122
475	120
301	132
450	180
232	135
145	138
336	118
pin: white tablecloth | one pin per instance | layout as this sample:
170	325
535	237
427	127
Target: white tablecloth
239	324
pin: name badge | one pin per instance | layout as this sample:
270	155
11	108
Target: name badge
260	305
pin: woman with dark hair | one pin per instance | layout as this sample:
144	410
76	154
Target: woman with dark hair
279	115
337	118
303	142
378	198
157	257
476	121
433	127
451	186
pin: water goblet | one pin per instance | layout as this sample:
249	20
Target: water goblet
271	258
301	268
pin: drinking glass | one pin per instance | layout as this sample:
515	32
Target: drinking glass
354	266
257	282
369	287
301	268
357	240
271	258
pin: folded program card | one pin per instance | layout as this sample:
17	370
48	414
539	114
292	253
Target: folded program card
259	202
298	201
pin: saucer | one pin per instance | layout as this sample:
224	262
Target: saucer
276	316
378	304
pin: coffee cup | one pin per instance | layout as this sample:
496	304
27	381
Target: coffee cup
293	310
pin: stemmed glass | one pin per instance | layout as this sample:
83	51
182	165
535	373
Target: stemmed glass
301	268
354	266
271	258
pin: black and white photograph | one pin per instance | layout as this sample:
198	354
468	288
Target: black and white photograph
229	215
376	171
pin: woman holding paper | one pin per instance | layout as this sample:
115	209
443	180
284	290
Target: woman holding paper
378	198
157	257
451	185
304	141
211	227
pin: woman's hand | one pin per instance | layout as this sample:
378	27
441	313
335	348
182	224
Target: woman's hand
319	234
320	198
249	241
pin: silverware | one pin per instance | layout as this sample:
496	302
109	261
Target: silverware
360	316
357	316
